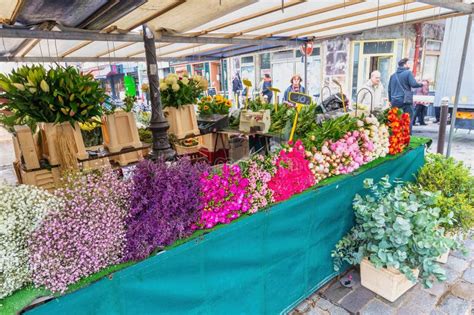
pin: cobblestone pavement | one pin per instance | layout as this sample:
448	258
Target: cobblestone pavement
455	296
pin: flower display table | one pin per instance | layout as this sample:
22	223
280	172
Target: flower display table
265	263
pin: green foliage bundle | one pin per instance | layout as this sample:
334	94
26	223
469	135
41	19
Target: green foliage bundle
145	135
456	185
331	129
56	95
397	228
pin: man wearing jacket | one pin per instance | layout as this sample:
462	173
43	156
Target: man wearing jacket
399	89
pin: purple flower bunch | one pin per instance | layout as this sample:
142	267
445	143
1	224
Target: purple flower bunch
85	235
224	196
259	193
165	204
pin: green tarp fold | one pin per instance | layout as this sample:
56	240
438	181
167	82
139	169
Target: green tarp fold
263	264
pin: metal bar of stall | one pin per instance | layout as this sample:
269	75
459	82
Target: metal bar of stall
459	83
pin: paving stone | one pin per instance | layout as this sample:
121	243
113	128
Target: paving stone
454	305
410	310
303	306
316	311
469	243
464	290
377	307
437	312
356	300
355	278
459	254
336	292
457	264
437	289
336	310
451	276
324	304
422	299
469	275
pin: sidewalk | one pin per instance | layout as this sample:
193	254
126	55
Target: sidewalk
455	296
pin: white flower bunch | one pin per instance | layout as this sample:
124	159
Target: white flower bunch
22	209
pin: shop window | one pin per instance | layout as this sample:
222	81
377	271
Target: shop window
430	69
385	47
433	45
355	70
265	61
247	59
281	55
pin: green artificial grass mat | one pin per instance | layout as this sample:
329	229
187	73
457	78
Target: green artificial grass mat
21	298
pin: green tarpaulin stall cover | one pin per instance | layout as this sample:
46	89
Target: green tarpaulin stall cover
263	264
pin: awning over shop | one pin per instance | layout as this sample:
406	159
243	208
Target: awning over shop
109	30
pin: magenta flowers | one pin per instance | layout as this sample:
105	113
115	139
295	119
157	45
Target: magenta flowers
293	174
224	196
85	235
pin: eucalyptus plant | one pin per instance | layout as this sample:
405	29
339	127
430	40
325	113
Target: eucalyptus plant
55	95
398	228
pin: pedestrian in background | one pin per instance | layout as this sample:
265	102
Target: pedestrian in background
236	88
295	86
421	107
375	86
266	85
400	88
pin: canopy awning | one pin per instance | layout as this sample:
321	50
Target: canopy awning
109	30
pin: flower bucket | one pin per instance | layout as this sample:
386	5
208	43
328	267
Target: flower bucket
119	131
389	283
56	137
443	258
182	121
209	141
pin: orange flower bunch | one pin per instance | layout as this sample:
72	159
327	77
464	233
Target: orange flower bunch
399	126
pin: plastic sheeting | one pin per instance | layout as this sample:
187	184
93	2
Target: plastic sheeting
264	264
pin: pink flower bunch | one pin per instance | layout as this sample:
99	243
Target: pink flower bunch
259	193
83	236
224	196
342	156
293	173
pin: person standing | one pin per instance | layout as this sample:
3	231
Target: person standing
375	86
295	86
421	107
236	88
399	88
266	85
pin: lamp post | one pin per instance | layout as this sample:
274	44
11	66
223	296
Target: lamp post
161	147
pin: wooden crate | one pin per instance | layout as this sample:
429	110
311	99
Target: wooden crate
126	158
96	164
51	133
44	178
25	147
182	121
209	141
389	283
119	131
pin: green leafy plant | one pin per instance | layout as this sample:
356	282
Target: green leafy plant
57	95
331	129
456	185
181	90
145	135
397	228
129	101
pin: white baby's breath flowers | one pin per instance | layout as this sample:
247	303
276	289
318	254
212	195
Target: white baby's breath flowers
21	210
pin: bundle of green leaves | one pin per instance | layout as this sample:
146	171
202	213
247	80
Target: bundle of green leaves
331	129
456	185
397	228
57	95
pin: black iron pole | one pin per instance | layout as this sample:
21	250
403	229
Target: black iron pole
442	125
158	123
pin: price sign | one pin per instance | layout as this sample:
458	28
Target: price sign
299	98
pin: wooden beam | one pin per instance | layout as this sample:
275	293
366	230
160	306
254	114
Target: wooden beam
200	51
251	16
297	17
106	52
340	17
180	49
157	14
380	17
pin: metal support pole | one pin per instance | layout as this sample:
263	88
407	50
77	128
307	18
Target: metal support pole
459	83
158	123
305	58
442	124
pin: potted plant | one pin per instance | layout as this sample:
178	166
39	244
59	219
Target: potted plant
218	108
455	184
396	239
58	99
178	94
